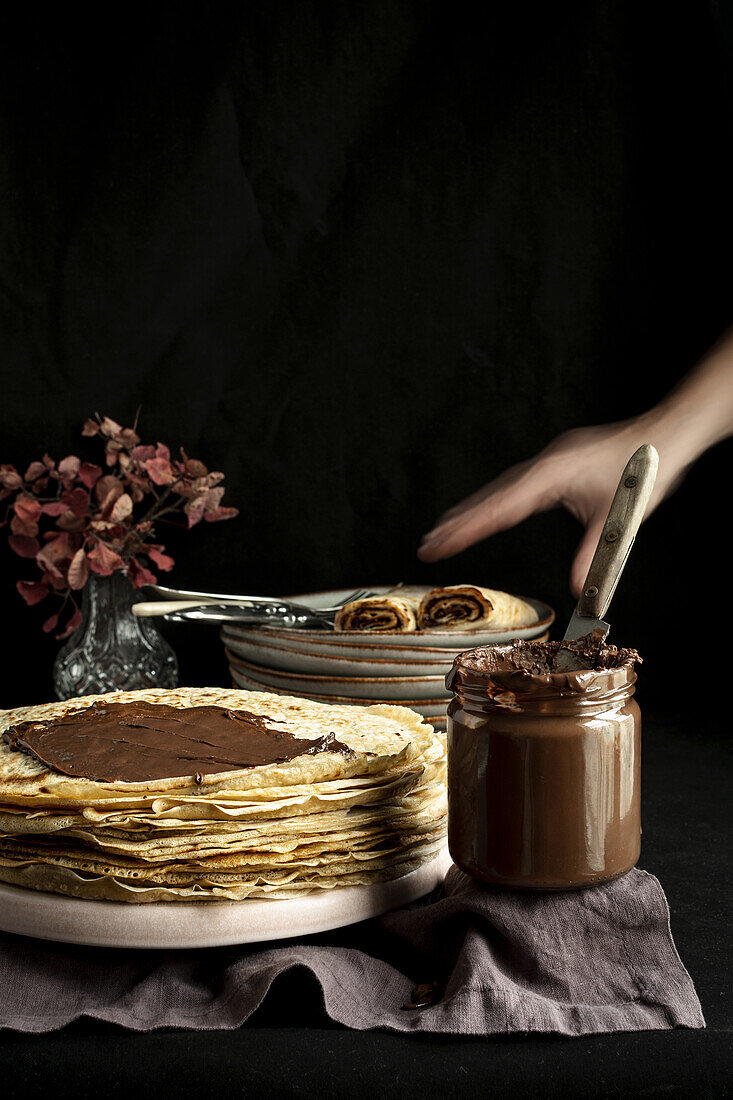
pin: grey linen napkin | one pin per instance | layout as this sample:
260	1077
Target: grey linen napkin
479	961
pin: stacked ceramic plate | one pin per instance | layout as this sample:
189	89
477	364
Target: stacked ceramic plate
358	667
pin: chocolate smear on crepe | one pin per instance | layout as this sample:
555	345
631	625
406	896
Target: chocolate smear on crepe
136	742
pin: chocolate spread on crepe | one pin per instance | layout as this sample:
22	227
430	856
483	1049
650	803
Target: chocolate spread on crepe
136	742
469	606
394	612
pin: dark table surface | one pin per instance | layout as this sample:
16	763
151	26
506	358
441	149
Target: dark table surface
290	1048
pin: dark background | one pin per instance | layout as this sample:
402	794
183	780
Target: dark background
361	257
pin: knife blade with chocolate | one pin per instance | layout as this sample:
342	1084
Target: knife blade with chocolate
617	537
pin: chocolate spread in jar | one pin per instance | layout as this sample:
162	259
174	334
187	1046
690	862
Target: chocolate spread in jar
136	742
544	766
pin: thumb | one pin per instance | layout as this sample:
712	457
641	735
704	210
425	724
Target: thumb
584	553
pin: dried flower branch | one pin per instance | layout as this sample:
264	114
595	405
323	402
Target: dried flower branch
100	522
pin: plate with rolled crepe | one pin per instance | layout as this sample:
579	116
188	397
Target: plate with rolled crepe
397	644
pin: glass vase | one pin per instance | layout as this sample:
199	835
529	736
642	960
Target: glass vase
112	649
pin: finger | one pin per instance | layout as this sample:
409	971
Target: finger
496	511
584	553
504	480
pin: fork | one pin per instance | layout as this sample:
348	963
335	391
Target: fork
275	612
219	598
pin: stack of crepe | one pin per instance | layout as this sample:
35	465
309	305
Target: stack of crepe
324	819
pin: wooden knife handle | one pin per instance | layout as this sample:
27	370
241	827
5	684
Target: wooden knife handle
619	531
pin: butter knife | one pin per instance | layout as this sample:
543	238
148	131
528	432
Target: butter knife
617	537
262	612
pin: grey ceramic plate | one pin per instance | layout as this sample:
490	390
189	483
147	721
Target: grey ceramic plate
385	688
349	643
260	649
428	708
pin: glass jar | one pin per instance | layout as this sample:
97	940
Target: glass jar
543	768
112	649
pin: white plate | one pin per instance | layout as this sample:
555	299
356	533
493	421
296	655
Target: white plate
425	707
454	640
386	688
167	925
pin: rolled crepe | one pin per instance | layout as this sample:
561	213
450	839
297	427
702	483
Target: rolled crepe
468	607
395	612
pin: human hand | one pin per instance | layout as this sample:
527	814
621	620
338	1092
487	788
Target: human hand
579	470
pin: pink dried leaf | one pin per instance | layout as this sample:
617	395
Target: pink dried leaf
24	546
32	591
220	513
110	427
122	509
91	427
10	478
109	502
104	561
69	467
156	555
55	579
23	527
34	471
72	624
160	471
129	437
212	500
27	509
143	452
61	547
111	451
101	526
187	490
78	570
70	522
89	474
77	500
50	623
139	575
194	468
106	484
194	509
54	508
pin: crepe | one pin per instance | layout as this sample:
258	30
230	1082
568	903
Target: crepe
377	735
469	607
393	612
368	812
